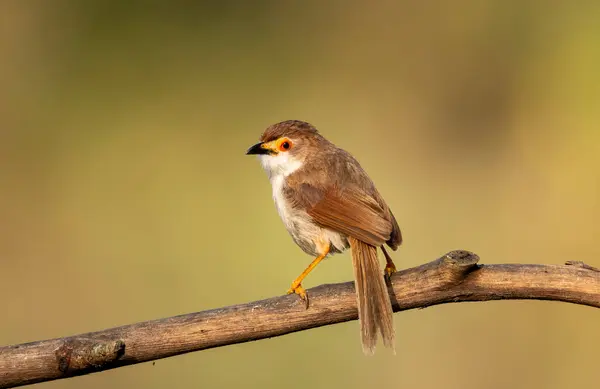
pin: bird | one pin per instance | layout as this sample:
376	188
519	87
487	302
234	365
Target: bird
328	204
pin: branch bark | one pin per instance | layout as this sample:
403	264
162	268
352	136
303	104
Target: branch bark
455	277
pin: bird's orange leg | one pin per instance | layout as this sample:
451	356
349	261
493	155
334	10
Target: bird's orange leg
390	268
297	284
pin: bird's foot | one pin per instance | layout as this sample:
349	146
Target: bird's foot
390	269
300	291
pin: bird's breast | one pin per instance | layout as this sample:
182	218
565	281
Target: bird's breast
294	219
300	225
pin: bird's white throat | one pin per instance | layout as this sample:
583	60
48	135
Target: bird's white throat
279	165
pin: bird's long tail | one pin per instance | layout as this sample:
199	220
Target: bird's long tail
374	307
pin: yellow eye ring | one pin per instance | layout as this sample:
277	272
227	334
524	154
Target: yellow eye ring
284	144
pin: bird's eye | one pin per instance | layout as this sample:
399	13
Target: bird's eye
285	145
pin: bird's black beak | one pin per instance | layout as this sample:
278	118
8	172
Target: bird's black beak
258	149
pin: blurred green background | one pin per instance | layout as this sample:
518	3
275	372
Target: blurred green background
126	195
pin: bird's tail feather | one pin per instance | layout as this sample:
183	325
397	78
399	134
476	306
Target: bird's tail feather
374	307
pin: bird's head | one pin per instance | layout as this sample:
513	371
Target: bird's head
284	146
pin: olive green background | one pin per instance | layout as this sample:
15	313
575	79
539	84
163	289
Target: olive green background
125	194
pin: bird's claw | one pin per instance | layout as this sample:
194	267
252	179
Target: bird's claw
389	270
300	291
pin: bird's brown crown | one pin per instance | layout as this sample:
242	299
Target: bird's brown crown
288	128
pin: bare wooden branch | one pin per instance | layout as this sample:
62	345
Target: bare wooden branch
455	277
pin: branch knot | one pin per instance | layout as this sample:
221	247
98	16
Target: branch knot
77	355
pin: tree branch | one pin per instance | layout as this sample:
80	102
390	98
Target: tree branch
455	277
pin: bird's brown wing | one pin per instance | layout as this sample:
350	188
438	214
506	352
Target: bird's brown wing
396	236
350	211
